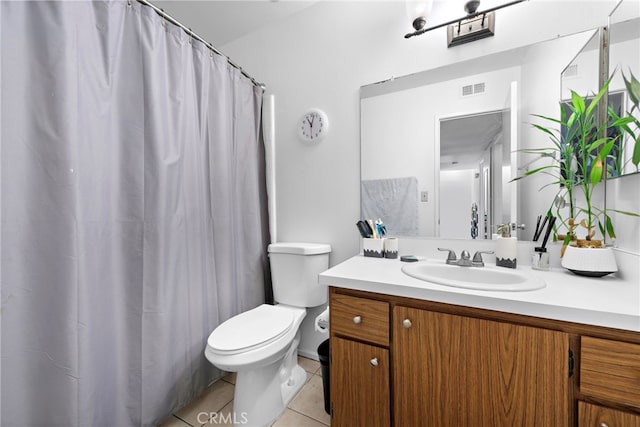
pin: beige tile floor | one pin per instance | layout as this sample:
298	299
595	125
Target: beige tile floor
306	409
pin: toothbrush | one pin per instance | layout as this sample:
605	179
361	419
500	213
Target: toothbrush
546	235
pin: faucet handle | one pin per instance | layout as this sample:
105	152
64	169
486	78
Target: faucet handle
451	256
477	258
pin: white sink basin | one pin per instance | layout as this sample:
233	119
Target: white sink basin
487	278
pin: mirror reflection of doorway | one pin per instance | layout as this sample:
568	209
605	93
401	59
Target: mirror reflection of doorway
473	152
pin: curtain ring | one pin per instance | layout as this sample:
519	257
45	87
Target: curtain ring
190	36
163	22
128	3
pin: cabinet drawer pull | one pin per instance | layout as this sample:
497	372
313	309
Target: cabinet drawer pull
603	424
374	362
406	323
357	320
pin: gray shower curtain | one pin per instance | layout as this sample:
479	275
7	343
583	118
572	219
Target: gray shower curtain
133	210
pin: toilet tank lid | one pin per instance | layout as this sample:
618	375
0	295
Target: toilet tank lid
299	248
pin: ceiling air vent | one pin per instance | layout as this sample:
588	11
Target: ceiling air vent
473	89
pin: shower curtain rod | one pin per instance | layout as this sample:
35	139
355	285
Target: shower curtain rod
188	30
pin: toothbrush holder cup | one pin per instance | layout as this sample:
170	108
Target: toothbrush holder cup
391	247
373	247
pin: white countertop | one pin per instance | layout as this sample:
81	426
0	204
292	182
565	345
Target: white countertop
608	301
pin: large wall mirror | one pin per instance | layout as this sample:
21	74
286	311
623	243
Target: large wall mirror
624	57
584	75
438	147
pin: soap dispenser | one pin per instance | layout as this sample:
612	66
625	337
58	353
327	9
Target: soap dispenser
506	247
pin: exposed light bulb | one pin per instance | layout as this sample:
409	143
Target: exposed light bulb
417	11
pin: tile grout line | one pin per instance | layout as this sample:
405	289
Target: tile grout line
302	413
307	416
187	423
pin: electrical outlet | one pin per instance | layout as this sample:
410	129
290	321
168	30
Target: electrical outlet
424	196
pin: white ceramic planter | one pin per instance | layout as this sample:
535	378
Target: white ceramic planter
592	262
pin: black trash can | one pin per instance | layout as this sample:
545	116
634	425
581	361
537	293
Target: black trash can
323	354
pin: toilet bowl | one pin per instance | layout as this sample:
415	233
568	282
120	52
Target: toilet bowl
261	344
254	338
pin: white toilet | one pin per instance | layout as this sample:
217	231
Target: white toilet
261	344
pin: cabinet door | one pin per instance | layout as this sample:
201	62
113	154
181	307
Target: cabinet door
599	416
458	371
359	384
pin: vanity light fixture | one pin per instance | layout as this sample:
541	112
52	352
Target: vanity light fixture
474	26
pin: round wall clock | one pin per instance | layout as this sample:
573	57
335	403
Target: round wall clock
314	125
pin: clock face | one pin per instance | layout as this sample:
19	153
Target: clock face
314	126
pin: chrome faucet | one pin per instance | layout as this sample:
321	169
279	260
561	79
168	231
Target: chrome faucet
477	258
465	259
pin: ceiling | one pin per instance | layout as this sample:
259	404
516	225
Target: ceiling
222	21
463	140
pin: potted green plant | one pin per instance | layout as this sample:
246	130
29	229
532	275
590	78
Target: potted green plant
574	165
629	127
591	148
579	152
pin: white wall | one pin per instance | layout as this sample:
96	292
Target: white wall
455	212
322	55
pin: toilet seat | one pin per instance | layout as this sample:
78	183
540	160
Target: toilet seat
251	330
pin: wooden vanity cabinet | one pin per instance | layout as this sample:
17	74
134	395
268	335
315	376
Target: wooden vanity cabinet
406	362
446	369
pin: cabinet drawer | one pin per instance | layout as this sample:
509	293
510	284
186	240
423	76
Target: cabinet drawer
598	416
610	370
359	318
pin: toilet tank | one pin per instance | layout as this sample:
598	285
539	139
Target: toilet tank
294	273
